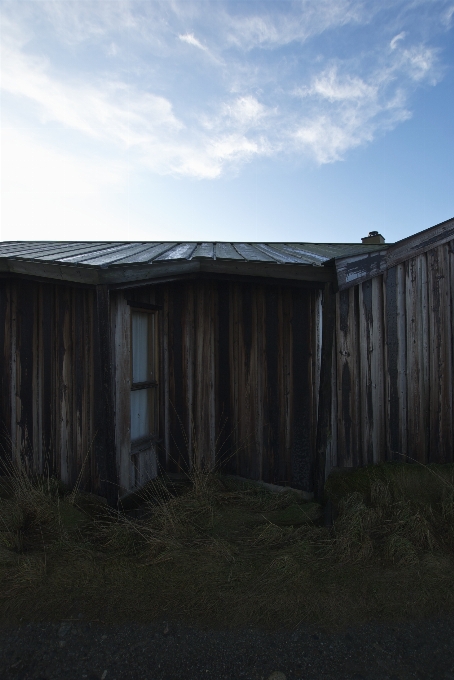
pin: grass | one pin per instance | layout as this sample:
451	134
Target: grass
221	552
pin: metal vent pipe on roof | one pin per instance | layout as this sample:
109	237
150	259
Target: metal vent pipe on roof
374	237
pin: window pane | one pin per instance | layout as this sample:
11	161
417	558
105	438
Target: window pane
143	413
140	347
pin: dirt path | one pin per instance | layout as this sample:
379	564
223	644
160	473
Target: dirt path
75	650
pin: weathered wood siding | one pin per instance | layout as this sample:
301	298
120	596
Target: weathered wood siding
239	372
48	418
394	364
239	376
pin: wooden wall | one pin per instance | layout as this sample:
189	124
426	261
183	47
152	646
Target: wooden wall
240	369
393	377
49	380
239	375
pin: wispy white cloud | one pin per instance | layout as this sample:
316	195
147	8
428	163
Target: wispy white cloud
298	21
257	95
397	38
108	109
345	111
420	62
329	86
190	39
447	16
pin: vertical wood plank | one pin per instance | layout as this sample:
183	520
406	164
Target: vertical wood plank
121	331
37	382
402	360
25	338
179	453
5	372
440	417
302	454
260	306
249	322
332	445
165	372
89	385
272	402
317	297
15	445
396	363
51	463
372	369
212	387
450	256
189	358
347	365
417	358
325	397
286	397
234	376
225	436
104	446
64	382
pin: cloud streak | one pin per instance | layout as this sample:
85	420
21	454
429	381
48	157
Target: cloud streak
190	39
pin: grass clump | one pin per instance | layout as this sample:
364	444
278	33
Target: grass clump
217	550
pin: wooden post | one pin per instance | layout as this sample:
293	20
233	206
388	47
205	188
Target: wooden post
104	445
325	390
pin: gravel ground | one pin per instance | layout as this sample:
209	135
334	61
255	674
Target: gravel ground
160	651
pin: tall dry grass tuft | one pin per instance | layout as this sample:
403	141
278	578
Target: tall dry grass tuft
393	513
28	509
219	550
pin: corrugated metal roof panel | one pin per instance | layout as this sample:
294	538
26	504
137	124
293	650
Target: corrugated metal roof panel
64	254
226	251
295	252
251	253
204	250
277	254
99	257
182	251
148	253
108	254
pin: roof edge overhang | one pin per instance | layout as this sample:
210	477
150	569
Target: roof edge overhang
120	274
355	269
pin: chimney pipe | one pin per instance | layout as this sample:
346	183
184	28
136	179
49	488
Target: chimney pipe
374	237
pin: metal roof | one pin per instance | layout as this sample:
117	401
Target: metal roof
122	264
110	254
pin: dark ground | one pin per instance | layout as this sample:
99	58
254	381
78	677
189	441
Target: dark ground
80	649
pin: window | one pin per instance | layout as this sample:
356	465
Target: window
144	376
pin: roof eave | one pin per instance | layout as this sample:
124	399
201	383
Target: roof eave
354	269
118	274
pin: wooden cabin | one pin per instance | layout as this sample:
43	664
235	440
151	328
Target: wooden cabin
275	361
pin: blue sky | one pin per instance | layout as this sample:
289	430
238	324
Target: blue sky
308	120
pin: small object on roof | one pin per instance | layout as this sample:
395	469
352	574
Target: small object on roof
374	237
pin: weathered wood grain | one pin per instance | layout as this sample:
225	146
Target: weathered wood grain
355	269
395	363
417	314
371	332
420	243
104	445
347	365
325	402
440	357
5	372
121	334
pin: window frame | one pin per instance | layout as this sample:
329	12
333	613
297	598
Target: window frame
143	443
